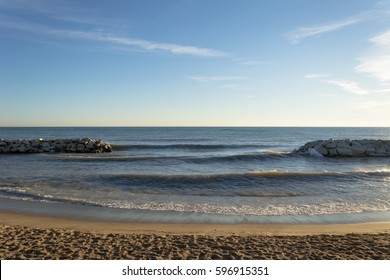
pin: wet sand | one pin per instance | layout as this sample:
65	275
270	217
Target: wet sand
38	237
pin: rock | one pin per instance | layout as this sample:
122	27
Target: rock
357	149
45	145
332	152
346	148
21	149
343	145
320	149
344	151
370	150
89	145
380	150
330	145
35	143
314	153
80	147
85	145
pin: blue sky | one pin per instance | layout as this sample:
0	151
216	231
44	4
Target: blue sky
194	63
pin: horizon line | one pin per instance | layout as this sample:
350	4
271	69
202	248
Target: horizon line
193	126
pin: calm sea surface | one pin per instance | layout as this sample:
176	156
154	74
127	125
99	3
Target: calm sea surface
198	175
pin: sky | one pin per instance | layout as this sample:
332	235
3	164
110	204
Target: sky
194	63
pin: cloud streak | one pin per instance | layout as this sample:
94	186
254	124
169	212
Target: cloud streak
377	64
304	32
315	76
355	88
105	37
382	39
143	44
301	33
350	86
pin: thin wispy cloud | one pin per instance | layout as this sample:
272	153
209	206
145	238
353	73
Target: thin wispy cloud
382	39
376	66
377	63
113	39
350	86
315	76
304	32
144	44
301	33
59	12
355	88
205	79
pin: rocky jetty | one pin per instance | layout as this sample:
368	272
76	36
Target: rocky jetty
346	148
84	145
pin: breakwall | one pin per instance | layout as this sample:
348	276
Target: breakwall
346	148
84	145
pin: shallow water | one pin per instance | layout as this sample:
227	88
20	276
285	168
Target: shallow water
227	175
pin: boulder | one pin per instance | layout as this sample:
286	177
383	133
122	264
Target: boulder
357	149
343	145
344	151
80	147
330	144
320	149
85	145
346	148
370	150
332	152
380	150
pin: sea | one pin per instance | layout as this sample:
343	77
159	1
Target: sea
229	175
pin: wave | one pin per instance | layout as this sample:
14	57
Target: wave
213	192
231	184
13	191
190	147
243	211
145	209
108	158
262	155
257	183
167	140
262	185
268	155
225	176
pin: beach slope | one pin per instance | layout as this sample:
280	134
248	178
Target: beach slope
37	237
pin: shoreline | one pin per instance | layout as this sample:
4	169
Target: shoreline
47	238
93	226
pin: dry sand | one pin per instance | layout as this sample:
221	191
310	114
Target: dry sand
37	237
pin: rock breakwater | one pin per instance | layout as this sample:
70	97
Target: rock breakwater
84	145
346	148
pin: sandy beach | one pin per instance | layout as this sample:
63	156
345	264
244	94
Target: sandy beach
39	237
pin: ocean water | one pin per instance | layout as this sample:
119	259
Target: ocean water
198	175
